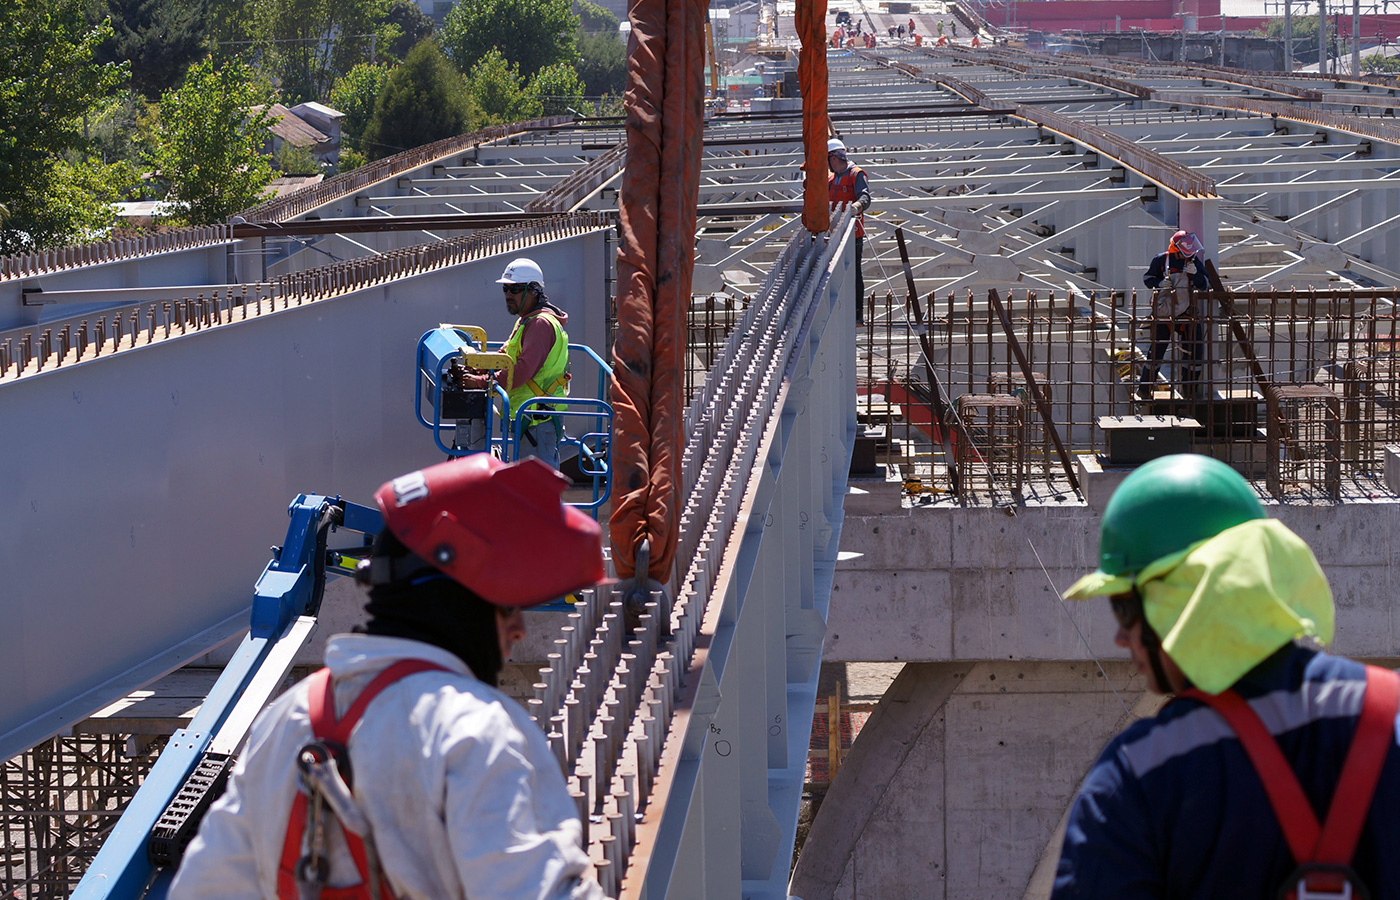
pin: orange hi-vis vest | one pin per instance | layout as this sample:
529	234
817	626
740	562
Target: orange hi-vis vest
842	189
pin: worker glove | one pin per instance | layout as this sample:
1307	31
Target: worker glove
1190	267
473	381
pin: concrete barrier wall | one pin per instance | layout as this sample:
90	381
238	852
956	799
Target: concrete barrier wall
959	784
144	488
942	584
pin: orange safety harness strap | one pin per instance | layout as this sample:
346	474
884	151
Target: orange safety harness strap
335	732
1335	842
656	256
812	76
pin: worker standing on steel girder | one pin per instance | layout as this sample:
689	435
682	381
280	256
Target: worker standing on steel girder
1220	793
847	183
538	348
1173	275
455	790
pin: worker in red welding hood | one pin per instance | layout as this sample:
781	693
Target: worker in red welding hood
456	793
1174	276
848	184
1275	771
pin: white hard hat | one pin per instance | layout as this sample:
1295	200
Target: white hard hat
522	271
835	146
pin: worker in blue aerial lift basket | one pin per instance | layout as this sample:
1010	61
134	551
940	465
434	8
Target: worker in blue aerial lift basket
538	348
1220	794
453	791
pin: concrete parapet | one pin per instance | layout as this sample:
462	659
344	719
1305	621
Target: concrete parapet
944	583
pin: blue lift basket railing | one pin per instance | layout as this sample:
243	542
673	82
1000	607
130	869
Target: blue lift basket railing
585	423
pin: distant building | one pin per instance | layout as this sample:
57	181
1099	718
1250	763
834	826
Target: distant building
311	126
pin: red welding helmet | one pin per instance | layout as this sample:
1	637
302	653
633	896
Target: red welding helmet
1185	243
498	529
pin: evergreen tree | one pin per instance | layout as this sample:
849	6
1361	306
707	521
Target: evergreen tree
208	147
602	63
530	34
422	101
355	94
413	27
160	38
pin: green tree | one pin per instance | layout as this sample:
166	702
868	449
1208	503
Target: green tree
413	26
557	89
355	94
531	34
497	89
49	80
593	17
208	147
293	160
423	100
1304	37
602	63
85	190
159	37
1381	65
312	42
229	26
119	128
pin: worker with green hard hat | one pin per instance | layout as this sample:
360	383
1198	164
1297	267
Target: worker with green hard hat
1221	793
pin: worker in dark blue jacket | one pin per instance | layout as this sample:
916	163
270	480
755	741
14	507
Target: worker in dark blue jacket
1211	600
1173	275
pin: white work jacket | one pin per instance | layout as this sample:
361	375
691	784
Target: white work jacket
464	797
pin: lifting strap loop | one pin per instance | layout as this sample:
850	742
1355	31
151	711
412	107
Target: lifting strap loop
1335	843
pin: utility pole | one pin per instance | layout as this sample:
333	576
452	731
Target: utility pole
1355	38
1322	37
1288	35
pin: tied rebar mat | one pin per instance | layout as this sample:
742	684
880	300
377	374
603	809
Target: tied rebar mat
1297	389
58	802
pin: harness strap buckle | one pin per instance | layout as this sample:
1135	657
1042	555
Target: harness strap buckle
1323	881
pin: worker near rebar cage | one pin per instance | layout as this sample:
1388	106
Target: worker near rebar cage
1220	794
1174	275
400	770
847	183
538	348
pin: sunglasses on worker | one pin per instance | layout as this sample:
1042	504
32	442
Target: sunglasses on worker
513	288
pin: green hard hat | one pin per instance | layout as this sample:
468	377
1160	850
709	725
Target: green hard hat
1163	507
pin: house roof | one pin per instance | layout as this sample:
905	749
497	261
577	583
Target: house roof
319	109
293	128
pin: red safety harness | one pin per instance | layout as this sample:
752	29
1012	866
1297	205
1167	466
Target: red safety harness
1323	853
333	733
842	189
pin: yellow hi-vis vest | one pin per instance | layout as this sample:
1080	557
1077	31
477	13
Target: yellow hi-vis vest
552	379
